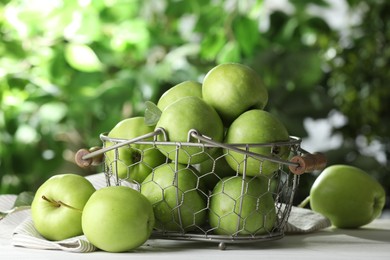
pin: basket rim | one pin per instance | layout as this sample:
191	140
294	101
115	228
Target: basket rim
293	140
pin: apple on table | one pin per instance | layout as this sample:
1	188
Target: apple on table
117	219
347	195
58	204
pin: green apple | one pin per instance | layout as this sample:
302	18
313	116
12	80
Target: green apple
347	195
232	89
136	161
183	89
117	219
58	204
179	118
177	196
214	169
242	206
257	127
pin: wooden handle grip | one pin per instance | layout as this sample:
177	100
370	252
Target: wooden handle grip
308	163
83	163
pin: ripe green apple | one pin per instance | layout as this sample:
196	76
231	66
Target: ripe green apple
58	204
242	206
214	169
257	127
232	89
117	219
177	196
183	89
347	195
179	118
136	161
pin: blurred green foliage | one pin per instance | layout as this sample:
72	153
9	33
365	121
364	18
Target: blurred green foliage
70	70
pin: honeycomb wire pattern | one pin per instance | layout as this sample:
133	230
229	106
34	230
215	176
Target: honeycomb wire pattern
282	184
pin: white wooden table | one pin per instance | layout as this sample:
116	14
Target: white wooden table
369	242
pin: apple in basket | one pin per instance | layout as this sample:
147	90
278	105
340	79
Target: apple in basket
232	89
58	204
134	161
347	195
178	197
183	115
257	127
183	89
242	206
117	219
214	169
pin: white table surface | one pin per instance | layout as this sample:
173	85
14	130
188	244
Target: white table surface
369	242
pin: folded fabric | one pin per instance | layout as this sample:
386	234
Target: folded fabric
26	235
19	229
9	223
7	201
303	220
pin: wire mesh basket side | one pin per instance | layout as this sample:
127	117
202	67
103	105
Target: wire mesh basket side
280	186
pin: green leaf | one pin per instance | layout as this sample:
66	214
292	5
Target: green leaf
53	112
24	199
303	3
85	26
247	34
82	57
152	113
229	53
212	44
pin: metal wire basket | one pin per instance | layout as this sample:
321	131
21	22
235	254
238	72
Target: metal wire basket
247	219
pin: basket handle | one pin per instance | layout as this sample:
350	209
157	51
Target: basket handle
94	156
297	165
308	163
87	157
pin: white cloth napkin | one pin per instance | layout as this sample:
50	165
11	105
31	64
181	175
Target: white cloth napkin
25	235
18	227
303	220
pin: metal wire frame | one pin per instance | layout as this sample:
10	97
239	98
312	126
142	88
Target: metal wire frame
195	139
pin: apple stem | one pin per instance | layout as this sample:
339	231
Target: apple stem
59	203
304	202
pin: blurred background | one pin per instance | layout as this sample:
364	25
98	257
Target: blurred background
70	70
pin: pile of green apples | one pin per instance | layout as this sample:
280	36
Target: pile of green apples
181	188
192	188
